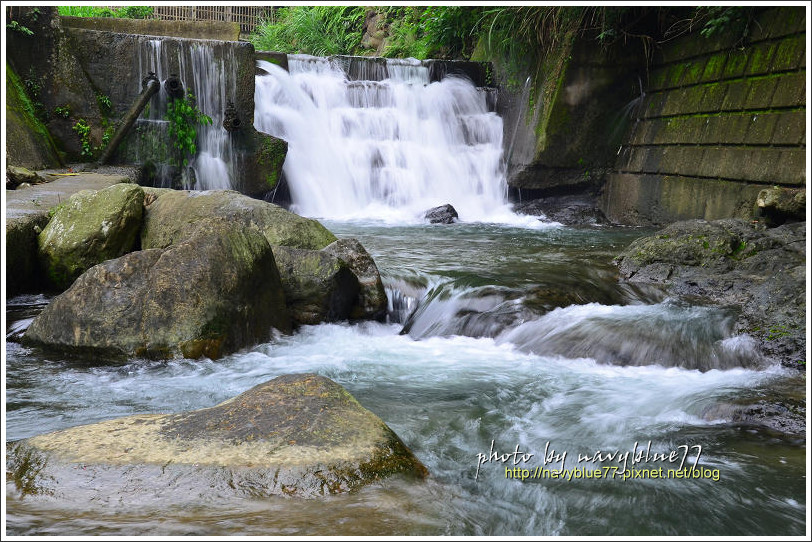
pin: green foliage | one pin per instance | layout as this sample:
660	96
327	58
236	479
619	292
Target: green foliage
452	31
720	20
82	129
22	29
314	30
126	12
62	111
184	117
407	38
105	106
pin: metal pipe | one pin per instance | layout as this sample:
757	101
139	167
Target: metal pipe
150	85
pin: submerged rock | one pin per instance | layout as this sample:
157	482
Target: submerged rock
371	302
208	295
318	286
91	227
296	435
568	210
733	263
444	214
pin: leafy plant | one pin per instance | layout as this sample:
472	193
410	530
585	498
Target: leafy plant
62	111
105	106
184	117
22	29
82	129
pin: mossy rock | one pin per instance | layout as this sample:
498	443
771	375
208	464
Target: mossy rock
91	227
296	435
29	144
173	213
208	295
372	302
318	286
270	159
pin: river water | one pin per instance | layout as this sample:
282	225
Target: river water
507	335
498	356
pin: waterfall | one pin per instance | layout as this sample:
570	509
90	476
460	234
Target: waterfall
209	75
373	138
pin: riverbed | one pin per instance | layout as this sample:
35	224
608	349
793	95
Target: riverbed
509	340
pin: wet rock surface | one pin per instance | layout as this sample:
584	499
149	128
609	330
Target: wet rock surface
296	435
760	272
210	294
568	210
444	214
89	228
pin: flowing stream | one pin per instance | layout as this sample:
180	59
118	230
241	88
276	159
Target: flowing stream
506	334
451	388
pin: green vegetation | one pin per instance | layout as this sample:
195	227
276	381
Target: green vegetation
184	117
21	28
720	19
314	30
62	111
82	129
126	12
105	106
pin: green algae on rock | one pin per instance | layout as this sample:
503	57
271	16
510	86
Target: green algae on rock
91	227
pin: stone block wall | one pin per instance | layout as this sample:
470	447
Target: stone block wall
719	121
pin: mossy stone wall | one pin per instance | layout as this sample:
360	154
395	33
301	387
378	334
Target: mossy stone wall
720	121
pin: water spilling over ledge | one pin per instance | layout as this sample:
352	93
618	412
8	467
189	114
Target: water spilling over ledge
378	139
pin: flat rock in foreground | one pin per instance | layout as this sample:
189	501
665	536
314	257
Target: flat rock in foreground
297	435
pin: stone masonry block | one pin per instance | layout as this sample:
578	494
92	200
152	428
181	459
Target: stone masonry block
736	95
735	65
789	128
790	53
760	58
790	90
713	97
761	93
760	129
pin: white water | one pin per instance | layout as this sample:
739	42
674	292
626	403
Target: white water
449	396
386	150
209	76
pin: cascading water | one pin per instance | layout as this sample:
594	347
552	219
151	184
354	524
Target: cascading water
208	76
376	140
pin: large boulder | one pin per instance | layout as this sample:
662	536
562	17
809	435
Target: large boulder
296	435
173	213
209	294
91	227
318	286
732	262
371	302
